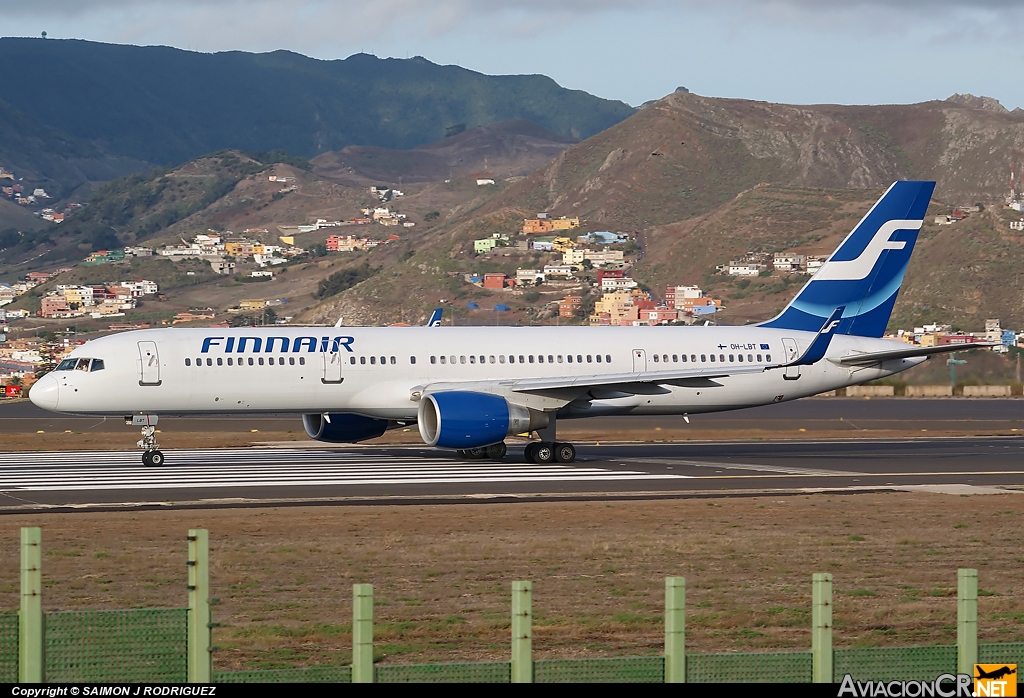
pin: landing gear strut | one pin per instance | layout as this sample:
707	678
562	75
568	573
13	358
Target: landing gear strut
152	457
548	450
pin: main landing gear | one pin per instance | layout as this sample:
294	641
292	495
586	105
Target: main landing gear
152	457
548	450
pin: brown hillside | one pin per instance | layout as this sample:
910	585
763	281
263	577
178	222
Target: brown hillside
505	149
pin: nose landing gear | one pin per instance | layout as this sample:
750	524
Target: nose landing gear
152	457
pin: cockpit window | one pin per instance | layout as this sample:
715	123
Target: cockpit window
77	364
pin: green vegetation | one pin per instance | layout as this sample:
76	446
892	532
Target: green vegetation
343	280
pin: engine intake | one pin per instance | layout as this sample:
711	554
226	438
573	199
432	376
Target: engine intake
343	427
462	419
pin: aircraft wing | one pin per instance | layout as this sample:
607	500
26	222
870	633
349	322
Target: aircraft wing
911	351
673	376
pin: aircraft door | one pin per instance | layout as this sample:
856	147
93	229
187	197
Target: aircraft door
332	367
149	364
792	354
639	360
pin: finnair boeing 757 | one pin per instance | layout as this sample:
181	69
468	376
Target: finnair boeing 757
468	388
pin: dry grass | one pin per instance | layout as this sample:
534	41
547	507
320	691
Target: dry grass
442	574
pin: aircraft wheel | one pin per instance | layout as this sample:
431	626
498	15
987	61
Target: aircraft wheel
544	453
531	452
497	451
565	452
152	459
477	453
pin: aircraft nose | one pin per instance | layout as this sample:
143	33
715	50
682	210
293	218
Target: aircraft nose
44	393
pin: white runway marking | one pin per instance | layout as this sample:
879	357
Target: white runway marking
122	470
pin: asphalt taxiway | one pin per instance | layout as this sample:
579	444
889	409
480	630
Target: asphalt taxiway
274	476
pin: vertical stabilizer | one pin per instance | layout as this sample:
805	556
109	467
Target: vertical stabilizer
865	273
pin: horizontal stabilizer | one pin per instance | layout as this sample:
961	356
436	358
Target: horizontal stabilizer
880	356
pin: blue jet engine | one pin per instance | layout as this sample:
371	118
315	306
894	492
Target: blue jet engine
343	428
462	419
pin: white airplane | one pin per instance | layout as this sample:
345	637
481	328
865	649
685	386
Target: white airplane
468	388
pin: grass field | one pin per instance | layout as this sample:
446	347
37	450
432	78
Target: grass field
442	574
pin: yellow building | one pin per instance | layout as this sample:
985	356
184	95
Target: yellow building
253	304
565	223
562	244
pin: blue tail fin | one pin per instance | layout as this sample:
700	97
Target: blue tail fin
865	273
435	318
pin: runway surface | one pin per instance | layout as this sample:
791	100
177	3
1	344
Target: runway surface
264	476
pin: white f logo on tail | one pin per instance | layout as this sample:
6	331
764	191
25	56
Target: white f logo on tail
859	268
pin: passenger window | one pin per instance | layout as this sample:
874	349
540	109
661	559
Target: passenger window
551	359
271	360
231	361
559	358
522	359
750	358
412	359
598	358
721	357
655	358
220	362
675	358
607	358
444	359
491	358
250	361
352	360
188	362
383	360
280	360
569	358
373	360
291	360
531	358
732	358
393	361
589	360
462	359
433	359
483	358
579	358
501	359
540	358
260	361
209	362
472	359
740	357
302	361
712	357
759	359
768	358
664	358
451	359
682	358
693	358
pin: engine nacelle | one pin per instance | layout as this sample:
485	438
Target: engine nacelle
462	419
343	428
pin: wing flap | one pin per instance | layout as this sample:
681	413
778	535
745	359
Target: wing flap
673	377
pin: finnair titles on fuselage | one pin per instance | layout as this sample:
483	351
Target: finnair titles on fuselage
469	387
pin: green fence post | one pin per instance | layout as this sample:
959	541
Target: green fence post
362	633
821	628
675	630
522	632
30	614
200	658
966	620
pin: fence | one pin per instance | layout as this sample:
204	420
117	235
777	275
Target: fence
174	645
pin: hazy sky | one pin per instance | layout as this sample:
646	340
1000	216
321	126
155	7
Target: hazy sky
796	51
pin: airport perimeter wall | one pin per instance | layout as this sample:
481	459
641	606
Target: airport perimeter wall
174	645
922	391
